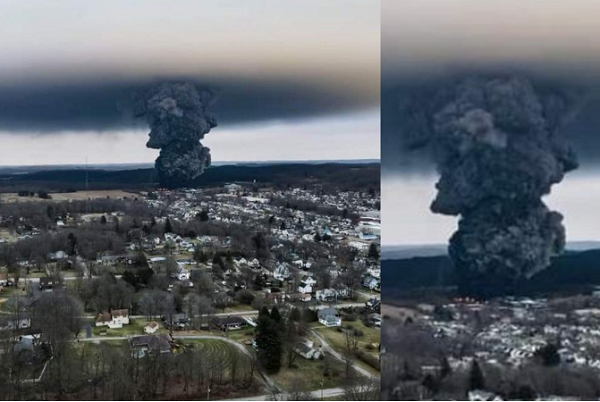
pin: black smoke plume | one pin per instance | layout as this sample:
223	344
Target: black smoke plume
497	145
179	117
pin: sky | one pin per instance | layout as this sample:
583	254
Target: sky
428	41
296	80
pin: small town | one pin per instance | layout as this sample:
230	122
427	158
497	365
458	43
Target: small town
233	291
503	349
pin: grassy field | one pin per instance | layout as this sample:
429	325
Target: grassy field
310	373
367	343
224	351
372	336
79	195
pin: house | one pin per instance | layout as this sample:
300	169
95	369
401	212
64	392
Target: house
229	323
113	320
480	395
143	345
373	304
282	272
120	316
22	321
329	317
371	283
305	288
307	350
151	327
180	321
309	280
108	260
302	297
331	295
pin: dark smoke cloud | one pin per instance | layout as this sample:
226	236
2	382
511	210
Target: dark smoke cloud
498	145
179	117
98	106
397	158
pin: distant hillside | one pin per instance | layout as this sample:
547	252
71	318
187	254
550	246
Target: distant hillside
573	271
341	176
400	252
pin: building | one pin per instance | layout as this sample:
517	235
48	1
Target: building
329	317
229	323
113	320
143	345
307	350
151	327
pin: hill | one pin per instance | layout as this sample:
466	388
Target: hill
570	272
340	176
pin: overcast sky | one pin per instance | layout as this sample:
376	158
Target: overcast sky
424	41
294	77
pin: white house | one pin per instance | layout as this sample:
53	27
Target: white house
309	280
307	350
151	327
305	288
282	272
329	317
114	319
331	295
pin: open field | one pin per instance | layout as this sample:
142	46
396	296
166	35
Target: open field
367	343
310	373
79	195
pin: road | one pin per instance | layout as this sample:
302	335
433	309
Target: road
369	295
315	395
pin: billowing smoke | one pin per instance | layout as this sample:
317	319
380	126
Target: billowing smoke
498	148
179	117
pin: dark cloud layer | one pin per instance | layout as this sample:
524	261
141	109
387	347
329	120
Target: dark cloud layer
100	106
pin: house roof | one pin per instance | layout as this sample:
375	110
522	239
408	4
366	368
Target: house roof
326	312
228	320
103	317
120	313
153	342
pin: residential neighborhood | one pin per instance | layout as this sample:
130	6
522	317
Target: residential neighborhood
222	273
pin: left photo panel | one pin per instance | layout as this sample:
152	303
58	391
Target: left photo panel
190	200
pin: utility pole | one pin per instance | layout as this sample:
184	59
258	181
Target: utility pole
87	204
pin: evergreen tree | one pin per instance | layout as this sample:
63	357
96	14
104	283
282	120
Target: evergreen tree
203	216
446	370
295	315
476	379
269	340
373	251
168	226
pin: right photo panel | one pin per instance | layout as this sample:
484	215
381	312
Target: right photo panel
490	133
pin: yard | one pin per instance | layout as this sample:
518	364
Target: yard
135	327
367	343
311	374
